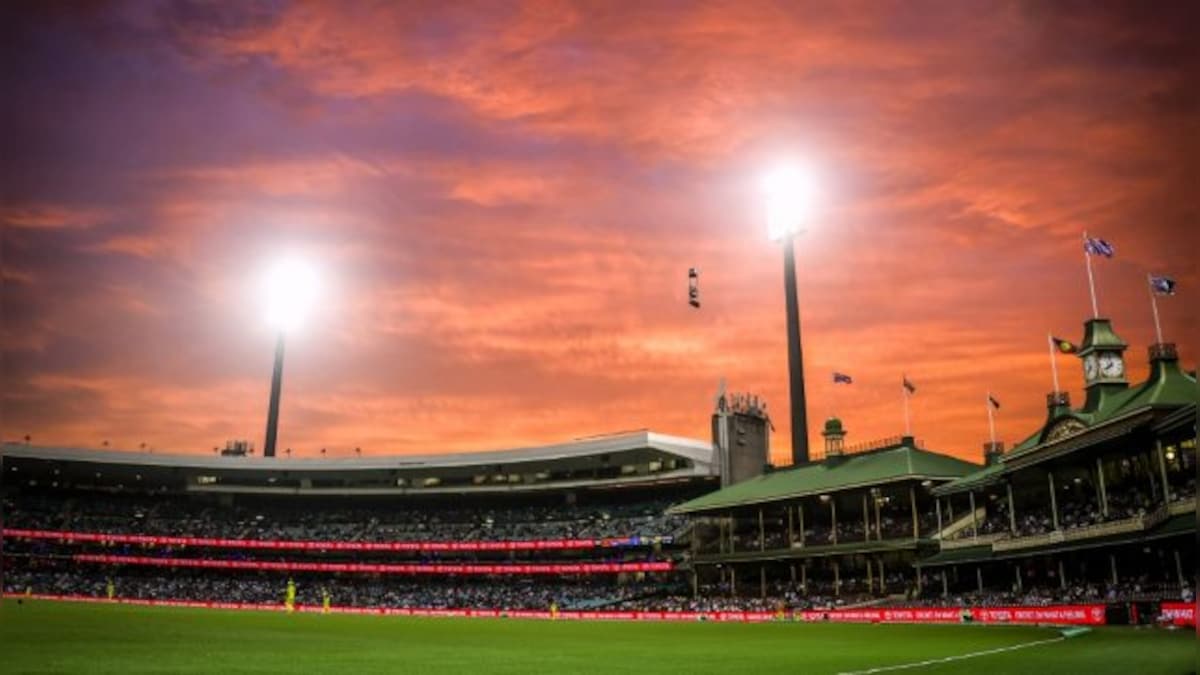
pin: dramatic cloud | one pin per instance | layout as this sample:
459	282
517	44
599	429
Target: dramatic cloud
505	199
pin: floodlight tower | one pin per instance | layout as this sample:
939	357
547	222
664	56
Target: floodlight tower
788	191
291	286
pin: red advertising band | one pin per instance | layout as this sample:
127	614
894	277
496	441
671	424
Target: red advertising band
282	545
1081	615
1054	614
1179	613
377	568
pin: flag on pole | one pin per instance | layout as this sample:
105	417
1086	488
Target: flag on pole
994	403
1097	246
1162	285
842	378
1064	346
909	386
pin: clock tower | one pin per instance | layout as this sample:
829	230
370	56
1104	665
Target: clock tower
1103	358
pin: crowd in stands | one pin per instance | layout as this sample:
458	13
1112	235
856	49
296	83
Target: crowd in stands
1126	591
486	593
168	516
891	525
1073	512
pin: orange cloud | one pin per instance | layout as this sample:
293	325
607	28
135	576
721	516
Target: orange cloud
505	201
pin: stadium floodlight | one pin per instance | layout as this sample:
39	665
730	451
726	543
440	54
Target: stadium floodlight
789	192
290	287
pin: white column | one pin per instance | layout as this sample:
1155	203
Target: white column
1062	574
1012	509
912	497
1162	465
937	504
762	533
800	512
1053	499
945	584
878	523
979	578
1101	491
833	516
974	516
1178	568
866	520
837	578
1112	561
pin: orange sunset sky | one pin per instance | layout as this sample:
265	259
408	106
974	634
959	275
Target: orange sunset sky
505	198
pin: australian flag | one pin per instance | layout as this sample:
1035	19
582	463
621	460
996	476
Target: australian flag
842	378
1163	285
1097	246
994	403
909	386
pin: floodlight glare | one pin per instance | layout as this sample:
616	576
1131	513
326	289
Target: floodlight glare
290	289
789	193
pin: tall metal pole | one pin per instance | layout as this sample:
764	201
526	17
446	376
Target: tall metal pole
273	408
795	357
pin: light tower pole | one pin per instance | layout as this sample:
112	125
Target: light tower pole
789	200
799	404
273	407
291	287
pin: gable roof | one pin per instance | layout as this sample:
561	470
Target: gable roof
903	462
1167	386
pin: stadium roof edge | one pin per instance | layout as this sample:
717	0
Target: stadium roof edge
700	452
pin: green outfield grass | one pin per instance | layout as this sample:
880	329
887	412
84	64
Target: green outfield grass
48	637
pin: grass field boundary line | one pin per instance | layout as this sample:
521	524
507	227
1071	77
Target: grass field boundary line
951	659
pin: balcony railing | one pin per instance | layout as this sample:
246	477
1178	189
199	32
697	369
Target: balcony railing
967	542
1136	524
1183	506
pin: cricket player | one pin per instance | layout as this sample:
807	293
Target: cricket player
290	599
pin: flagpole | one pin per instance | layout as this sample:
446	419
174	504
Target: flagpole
1053	361
1087	255
907	421
991	419
1154	306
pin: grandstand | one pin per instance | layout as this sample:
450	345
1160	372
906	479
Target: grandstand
581	524
1090	517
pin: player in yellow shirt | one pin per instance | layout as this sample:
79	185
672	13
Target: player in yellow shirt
553	609
324	600
110	589
290	599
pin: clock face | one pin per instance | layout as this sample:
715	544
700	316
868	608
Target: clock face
1111	365
1090	367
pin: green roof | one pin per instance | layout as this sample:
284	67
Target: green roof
1167	386
972	479
834	474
